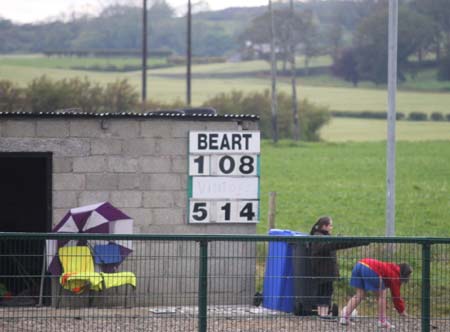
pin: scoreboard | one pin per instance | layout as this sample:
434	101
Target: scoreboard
224	177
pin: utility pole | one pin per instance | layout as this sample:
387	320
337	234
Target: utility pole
188	54
273	75
296	133
144	54
391	118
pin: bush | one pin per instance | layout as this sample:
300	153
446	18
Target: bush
46	95
82	94
120	96
366	115
11	97
400	116
418	116
311	117
437	116
181	60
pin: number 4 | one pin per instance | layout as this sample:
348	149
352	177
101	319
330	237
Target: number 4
246	212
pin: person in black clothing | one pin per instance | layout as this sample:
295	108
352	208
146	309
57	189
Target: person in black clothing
324	267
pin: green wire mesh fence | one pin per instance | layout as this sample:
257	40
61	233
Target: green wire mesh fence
212	283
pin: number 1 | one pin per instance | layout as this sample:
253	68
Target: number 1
200	162
227	209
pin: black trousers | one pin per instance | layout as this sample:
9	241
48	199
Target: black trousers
324	291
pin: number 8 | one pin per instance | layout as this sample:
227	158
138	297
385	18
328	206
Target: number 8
246	166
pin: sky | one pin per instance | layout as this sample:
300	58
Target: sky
29	11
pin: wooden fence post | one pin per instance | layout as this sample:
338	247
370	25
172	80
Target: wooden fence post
272	209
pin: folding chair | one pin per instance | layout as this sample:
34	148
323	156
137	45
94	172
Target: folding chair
108	257
79	273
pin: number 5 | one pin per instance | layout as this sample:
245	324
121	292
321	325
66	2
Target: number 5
200	212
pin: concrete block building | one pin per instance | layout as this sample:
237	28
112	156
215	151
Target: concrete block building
52	162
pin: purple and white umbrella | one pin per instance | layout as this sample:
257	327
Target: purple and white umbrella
97	218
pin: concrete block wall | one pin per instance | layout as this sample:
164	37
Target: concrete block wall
139	165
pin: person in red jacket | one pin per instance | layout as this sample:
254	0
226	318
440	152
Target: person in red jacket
373	275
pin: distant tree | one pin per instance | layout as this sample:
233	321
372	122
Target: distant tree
345	13
258	33
56	36
345	66
211	40
303	27
118	27
160	10
439	11
309	38
7	36
334	37
371	39
444	68
5	24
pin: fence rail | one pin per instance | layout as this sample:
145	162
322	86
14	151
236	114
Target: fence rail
207	283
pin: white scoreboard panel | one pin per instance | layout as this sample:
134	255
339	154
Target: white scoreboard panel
223	177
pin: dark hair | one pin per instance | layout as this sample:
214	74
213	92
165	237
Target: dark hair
322	221
405	272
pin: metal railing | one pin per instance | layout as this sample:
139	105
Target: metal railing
213	283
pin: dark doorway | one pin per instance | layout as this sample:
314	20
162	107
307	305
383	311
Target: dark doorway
25	202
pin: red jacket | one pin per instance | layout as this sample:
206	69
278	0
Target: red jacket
390	273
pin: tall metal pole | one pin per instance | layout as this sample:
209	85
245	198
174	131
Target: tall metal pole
273	74
144	54
296	133
392	89
188	54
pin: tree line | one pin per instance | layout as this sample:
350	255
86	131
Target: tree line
355	34
352	32
117	27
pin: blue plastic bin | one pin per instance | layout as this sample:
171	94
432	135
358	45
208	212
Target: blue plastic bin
278	287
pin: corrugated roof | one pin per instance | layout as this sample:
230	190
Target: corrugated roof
169	114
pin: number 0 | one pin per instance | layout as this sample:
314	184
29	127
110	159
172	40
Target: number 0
224	168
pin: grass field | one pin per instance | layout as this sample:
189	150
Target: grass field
322	90
69	62
363	130
345	178
348	182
